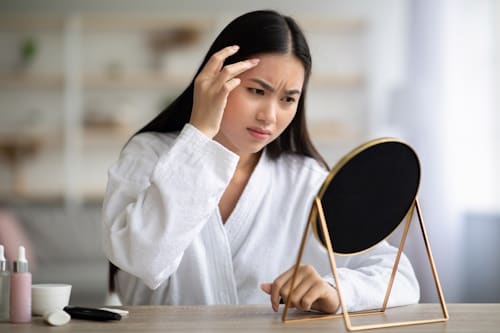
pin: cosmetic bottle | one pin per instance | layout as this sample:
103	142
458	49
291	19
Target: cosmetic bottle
4	287
20	290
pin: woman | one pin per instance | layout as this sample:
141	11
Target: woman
207	203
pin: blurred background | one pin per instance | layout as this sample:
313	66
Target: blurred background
77	78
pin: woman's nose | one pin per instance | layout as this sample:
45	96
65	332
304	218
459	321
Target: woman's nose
267	113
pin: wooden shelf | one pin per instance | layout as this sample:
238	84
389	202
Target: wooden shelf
143	22
97	133
103	22
152	21
31	22
146	80
135	81
93	81
47	197
31	81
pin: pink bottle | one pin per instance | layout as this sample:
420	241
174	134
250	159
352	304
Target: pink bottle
20	290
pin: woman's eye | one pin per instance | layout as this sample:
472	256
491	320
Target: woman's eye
288	99
256	91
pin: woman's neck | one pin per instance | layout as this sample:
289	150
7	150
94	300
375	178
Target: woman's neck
247	162
235	188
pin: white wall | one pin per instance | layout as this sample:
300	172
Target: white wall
447	111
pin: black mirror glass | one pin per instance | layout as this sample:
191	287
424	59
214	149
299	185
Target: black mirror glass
367	194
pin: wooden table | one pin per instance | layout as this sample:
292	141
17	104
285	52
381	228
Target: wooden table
464	318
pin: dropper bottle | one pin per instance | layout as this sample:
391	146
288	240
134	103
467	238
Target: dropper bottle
20	289
4	287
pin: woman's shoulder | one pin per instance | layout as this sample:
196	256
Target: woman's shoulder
298	173
301	163
149	143
298	168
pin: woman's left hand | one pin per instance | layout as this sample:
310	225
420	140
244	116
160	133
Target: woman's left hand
310	291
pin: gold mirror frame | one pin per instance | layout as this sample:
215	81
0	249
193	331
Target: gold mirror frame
317	210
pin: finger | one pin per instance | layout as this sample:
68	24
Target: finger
266	287
298	293
305	281
231	84
281	287
230	71
309	298
276	291
214	64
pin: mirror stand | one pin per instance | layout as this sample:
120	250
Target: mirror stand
317	210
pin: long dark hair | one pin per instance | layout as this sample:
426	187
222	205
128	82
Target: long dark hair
257	32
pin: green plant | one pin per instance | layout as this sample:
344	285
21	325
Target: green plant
28	50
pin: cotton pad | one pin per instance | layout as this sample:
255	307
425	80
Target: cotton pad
57	318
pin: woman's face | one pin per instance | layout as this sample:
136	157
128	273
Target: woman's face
263	105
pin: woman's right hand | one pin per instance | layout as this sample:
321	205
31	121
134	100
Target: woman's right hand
212	87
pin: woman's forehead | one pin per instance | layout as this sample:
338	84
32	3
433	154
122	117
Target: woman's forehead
278	70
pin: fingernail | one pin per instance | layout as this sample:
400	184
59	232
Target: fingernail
254	61
235	47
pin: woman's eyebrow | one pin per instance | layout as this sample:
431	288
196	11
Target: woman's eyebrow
268	87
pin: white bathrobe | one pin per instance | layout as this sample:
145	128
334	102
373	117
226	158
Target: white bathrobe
163	229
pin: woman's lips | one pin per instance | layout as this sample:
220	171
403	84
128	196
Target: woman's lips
259	133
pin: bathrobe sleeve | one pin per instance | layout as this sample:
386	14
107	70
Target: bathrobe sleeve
160	193
364	279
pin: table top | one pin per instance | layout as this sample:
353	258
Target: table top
260	318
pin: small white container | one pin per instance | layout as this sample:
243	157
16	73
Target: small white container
49	297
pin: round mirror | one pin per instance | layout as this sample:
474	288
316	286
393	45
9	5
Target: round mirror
367	195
